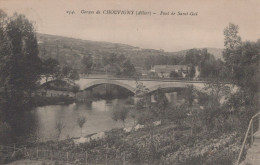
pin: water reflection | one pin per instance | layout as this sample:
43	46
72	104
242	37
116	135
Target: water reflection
98	118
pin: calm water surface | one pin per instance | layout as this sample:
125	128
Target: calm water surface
98	116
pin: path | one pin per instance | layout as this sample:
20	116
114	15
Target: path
253	153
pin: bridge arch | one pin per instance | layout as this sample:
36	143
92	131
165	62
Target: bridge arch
174	85
129	84
107	81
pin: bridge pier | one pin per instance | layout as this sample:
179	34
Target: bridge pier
136	99
153	99
172	97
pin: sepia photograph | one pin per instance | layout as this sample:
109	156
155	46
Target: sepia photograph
129	82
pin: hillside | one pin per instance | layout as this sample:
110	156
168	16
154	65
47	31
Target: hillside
70	50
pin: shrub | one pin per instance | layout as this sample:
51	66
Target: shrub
81	121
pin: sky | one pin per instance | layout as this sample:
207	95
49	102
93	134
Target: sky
167	32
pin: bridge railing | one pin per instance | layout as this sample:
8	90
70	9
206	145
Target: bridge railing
148	78
252	131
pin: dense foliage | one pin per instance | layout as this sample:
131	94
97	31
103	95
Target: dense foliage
20	65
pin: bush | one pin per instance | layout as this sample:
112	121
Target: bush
177	113
178	135
144	117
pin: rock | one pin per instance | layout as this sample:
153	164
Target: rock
81	140
97	136
128	129
138	126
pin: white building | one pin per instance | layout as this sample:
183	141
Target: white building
164	71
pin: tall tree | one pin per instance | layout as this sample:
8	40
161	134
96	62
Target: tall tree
242	62
21	69
87	63
128	69
192	57
5	48
50	68
192	71
232	39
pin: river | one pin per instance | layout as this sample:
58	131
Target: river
40	123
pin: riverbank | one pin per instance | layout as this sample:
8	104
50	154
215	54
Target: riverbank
161	144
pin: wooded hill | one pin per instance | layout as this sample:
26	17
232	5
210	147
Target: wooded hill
70	51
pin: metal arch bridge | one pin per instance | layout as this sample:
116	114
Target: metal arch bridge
130	84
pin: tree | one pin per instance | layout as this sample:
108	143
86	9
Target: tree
141	93
111	63
242	63
192	71
207	65
81	121
75	89
5	48
128	69
146	112
161	104
87	63
192	57
232	39
174	74
194	121
119	65
50	68
120	113
189	95
74	75
66	71
20	66
206	62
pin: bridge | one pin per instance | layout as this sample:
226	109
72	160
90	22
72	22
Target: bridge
130	84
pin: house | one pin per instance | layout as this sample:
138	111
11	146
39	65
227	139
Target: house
164	71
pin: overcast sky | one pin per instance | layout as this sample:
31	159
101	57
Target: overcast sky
171	33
